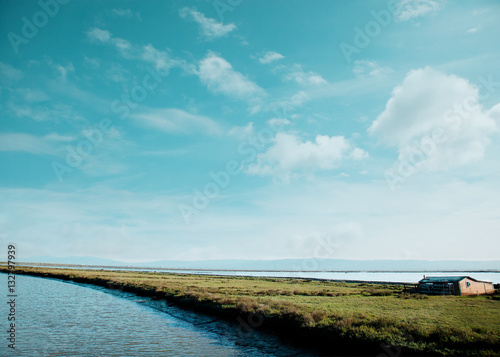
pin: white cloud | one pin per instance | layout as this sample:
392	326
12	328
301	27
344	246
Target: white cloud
270	57
96	34
358	154
495	113
125	13
288	154
24	143
278	122
219	76
64	70
242	131
439	113
472	30
104	36
297	74
409	9
69	222
161	60
295	101
97	164
117	73
364	68
210	28
173	120
92	62
52	112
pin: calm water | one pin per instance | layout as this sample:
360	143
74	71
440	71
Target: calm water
358	276
395	277
376	276
55	318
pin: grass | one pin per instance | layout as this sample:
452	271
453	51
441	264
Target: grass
332	317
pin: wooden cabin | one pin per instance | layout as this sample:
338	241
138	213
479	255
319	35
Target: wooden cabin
454	285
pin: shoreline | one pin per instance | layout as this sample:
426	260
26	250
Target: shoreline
131	267
293	326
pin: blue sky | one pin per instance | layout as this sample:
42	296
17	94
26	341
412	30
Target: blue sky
141	131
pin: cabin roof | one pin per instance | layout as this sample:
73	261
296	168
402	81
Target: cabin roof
448	279
442	279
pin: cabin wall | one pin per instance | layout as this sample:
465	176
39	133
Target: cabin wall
439	288
475	287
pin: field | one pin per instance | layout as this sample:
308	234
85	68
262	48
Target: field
330	317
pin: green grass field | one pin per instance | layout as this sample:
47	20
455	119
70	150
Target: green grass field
360	317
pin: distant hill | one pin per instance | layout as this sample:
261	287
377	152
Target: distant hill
288	264
73	260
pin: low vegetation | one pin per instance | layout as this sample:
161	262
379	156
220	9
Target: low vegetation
331	317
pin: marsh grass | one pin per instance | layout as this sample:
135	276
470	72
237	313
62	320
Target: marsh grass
359	317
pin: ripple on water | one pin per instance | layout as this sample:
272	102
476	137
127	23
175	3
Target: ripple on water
55	318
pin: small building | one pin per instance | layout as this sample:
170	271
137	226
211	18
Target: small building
454	285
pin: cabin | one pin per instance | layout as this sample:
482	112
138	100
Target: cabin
454	285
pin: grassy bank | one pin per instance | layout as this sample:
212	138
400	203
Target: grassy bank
333	318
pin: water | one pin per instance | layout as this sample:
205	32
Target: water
395	277
375	276
55	318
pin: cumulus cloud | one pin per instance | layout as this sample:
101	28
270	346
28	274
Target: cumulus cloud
219	76
358	154
270	57
209	28
409	9
289	154
494	113
172	120
438	113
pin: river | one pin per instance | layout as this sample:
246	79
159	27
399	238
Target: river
59	318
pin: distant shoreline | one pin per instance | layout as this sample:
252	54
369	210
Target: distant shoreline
28	264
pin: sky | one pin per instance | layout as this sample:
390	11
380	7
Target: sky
236	129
